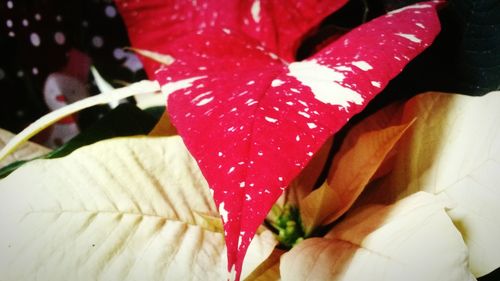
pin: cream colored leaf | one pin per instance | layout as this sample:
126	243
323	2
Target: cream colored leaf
414	240
28	151
354	165
454	149
269	270
122	209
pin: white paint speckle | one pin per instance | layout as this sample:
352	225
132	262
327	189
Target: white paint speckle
200	96
251	82
312	125
12	34
10	5
205	101
289	103
304	114
376	84
242	184
280	178
271	120
220	154
227	31
363	65
178	85
343	68
58	18
59	38
230	170
410	37
38	17
34	70
110	11
255	10
250	102
420	25
309	153
273	56
260	153
248	197
223	212
35	39
25	22
324	83
297	138
277	83
9	23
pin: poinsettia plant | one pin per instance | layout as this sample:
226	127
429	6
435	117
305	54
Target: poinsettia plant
254	127
258	125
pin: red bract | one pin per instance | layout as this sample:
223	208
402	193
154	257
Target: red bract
250	116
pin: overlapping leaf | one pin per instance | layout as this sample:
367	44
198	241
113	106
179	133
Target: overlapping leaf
454	150
250	116
355	164
123	209
28	151
413	239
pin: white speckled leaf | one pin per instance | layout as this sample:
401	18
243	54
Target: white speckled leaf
251	115
122	209
412	240
454	150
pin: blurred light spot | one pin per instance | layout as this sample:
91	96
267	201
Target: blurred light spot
97	41
110	11
59	38
35	39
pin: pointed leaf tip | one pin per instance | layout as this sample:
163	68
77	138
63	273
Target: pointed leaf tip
253	130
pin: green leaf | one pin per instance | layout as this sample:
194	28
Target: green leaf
125	120
121	209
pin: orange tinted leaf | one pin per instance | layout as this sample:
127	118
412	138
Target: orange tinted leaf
352	169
